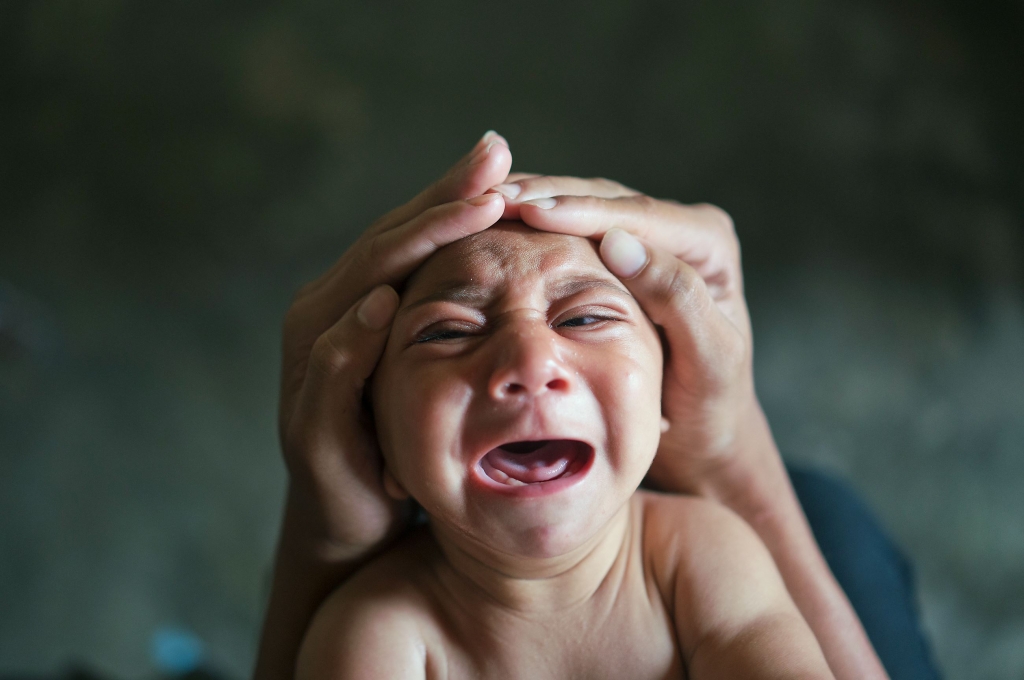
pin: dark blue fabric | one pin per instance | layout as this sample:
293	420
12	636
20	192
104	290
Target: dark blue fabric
871	570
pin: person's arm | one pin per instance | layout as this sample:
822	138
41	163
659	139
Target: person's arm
759	491
337	514
687	276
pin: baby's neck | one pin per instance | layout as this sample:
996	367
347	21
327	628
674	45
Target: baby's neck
536	584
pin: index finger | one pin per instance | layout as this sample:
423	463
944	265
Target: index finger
520	188
700	235
388	257
486	164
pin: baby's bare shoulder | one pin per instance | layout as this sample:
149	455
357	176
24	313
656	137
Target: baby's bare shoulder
673	523
727	598
377	623
700	540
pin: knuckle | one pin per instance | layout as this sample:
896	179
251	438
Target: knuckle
681	288
538	186
720	217
372	260
645	204
328	357
610	186
372	252
723	223
734	350
445	213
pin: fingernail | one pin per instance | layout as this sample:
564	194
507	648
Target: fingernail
542	203
623	253
378	308
509	190
482	199
482	153
492	136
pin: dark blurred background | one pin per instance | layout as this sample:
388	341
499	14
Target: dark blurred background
171	172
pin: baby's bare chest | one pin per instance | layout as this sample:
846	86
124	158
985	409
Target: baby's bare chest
630	637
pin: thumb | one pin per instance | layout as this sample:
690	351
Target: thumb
341	361
704	347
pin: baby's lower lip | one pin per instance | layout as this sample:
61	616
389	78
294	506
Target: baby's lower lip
536	467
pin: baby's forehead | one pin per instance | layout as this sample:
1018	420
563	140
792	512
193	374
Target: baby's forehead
509	251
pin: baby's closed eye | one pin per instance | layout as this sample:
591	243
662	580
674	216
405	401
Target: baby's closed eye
447	330
583	320
456	330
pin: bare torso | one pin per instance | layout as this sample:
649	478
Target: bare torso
623	630
688	592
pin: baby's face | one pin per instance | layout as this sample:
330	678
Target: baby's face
519	397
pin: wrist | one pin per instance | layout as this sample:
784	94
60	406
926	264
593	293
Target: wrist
307	538
751	468
341	523
725	454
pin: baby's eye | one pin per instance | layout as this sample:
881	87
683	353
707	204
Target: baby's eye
440	333
583	320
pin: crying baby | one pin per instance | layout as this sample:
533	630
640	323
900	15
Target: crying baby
518	401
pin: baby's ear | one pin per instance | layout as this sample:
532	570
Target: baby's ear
392	486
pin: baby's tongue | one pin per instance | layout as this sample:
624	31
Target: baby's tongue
530	462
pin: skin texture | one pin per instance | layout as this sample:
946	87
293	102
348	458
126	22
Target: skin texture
509	335
718	444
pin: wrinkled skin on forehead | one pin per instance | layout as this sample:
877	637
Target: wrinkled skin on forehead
515	335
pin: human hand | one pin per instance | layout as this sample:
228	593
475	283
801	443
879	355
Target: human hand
685	271
334	334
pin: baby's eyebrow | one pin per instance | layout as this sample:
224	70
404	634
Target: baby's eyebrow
461	293
567	287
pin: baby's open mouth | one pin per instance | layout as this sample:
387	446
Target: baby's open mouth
533	462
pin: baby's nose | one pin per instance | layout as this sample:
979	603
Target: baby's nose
529	364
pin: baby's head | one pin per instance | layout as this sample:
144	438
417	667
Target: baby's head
519	397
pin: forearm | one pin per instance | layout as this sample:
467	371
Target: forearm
305	572
757	487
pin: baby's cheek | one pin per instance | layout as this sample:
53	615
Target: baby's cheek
637	404
428	416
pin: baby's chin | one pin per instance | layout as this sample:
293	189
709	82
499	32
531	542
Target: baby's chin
532	533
